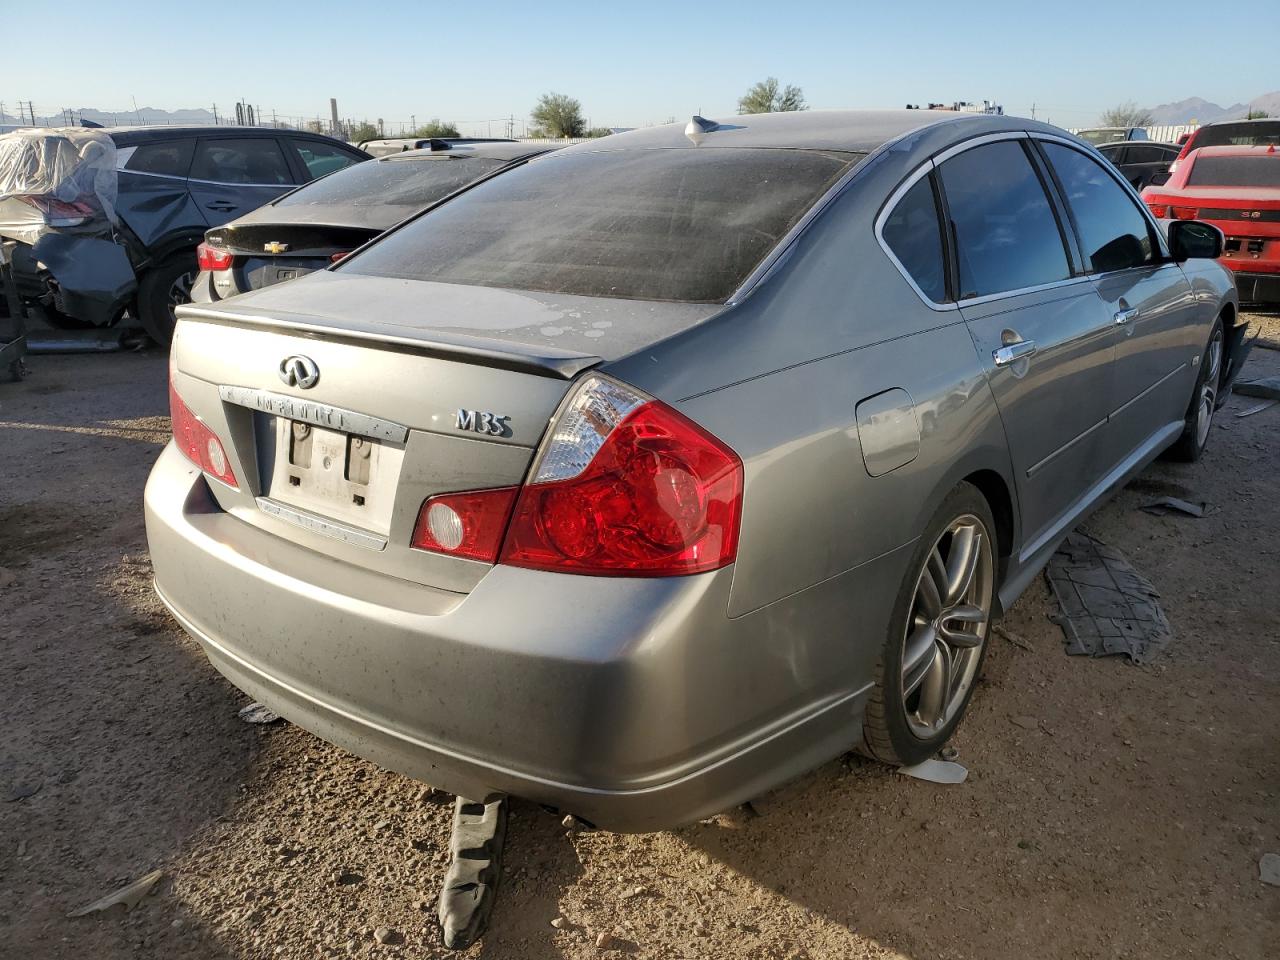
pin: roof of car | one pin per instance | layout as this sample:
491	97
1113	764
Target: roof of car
501	150
1217	123
142	134
1118	144
858	131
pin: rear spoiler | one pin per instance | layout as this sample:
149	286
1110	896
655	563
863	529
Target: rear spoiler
519	357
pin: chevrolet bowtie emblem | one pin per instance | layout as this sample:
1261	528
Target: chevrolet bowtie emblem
275	246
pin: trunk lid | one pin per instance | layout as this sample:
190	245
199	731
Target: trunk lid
412	389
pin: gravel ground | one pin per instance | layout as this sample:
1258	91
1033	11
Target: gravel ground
1127	819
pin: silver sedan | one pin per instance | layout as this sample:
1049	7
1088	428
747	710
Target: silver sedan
659	470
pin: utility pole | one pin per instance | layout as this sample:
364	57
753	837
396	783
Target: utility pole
215	114
1033	111
333	116
413	121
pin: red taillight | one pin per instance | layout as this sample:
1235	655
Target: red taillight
1158	210
340	255
1183	213
466	525
200	444
626	487
659	497
60	213
213	258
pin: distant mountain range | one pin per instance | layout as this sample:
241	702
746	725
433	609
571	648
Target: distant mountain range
113	118
1199	110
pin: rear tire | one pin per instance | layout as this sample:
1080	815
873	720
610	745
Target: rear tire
937	636
1190	446
161	290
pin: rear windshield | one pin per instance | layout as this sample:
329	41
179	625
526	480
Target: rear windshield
1251	134
1257	171
668	224
400	182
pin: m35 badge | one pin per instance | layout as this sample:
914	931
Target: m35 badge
481	421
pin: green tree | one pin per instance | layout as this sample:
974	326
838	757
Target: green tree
437	128
1257	115
557	115
362	131
768	96
1127	114
595	132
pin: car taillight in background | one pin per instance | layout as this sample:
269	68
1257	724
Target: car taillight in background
1183	213
1158	210
625	487
340	255
213	258
198	443
60	213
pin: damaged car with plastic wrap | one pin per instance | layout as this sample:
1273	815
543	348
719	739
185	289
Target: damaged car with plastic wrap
107	219
651	474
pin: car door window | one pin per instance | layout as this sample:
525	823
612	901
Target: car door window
1007	236
321	158
1114	234
1150	154
170	158
911	232
248	160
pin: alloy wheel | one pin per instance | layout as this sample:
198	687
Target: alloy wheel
180	292
1209	388
947	628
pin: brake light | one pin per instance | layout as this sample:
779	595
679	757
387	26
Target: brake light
1183	213
1158	210
200	444
340	255
60	213
627	487
466	525
212	258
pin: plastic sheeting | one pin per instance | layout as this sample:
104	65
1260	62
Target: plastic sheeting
69	166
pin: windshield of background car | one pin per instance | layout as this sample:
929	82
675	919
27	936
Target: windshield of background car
662	224
1260	170
1238	134
413	182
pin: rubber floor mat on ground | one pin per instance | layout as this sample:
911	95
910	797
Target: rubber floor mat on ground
1105	606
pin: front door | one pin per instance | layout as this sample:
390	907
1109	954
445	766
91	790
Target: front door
1142	294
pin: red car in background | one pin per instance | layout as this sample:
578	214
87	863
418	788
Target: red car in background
1263	132
1237	189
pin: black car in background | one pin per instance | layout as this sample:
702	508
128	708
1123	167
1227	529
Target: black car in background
322	222
118	228
387	146
1141	161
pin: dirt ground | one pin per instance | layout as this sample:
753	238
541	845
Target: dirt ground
1126	821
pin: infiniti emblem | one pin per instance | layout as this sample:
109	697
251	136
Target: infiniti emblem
299	371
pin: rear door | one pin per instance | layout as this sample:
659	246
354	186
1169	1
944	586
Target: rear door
153	199
1142	293
231	176
1042	339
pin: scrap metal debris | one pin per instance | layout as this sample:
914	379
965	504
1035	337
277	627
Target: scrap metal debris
937	771
1106	606
257	713
1269	869
128	897
475	866
1258	408
1267	387
1175	505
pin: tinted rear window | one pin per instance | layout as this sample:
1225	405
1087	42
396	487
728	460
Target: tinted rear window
1259	171
1250	134
675	224
413	182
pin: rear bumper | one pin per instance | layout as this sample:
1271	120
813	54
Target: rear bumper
1257	287
634	704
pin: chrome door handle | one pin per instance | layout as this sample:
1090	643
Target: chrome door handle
1124	316
1013	352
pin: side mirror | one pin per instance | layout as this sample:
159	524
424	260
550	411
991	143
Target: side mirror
1195	240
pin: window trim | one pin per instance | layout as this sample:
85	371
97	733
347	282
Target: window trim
886	211
1153	229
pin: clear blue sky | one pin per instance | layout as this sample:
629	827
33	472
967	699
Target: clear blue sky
632	63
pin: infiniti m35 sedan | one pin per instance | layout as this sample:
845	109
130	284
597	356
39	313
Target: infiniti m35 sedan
652	473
